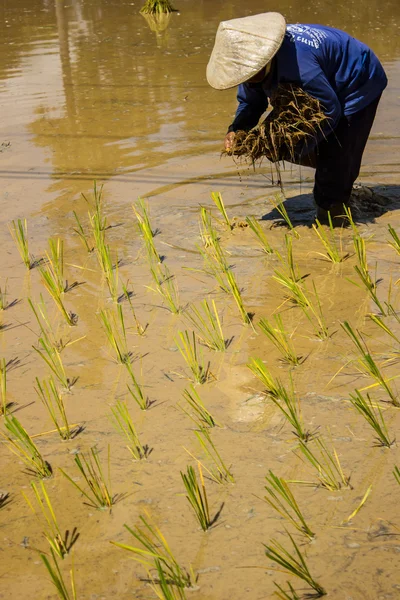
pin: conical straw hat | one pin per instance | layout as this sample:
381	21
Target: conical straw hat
243	47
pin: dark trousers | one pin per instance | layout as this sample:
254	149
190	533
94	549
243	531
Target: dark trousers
338	158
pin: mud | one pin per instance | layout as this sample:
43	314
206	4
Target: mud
88	91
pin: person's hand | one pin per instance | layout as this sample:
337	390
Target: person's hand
229	141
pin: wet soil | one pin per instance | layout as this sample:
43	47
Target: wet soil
89	92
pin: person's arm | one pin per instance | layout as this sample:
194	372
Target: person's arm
319	87
252	103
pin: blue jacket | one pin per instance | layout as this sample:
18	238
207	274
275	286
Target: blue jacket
329	64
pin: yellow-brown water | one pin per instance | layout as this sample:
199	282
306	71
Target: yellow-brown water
88	91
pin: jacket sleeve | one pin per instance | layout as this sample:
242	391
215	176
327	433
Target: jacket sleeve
253	101
319	87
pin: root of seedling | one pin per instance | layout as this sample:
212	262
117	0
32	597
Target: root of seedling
296	119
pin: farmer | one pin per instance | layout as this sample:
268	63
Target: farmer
259	52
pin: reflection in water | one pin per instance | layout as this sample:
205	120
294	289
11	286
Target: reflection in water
126	99
159	23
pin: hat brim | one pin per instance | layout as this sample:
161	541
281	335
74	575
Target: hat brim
243	47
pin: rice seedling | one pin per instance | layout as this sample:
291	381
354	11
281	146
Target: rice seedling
83	236
156	7
288	260
291	594
193	356
54	403
140	329
3	386
368	365
246	316
97	205
57	577
293	564
50	281
396	474
196	410
4	303
113	323
219	203
58	542
109	269
125	426
215	269
219	472
379	321
359	507
276	333
278	204
153	548
56	259
206	321
52	358
167	287
283	399
374	417
327	463
281	498
395	243
362	268
19	233
143	219
197	496
166	590
260	235
136	390
208	233
333	250
21	444
98	487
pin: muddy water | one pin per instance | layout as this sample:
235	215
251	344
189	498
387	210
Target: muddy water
89	91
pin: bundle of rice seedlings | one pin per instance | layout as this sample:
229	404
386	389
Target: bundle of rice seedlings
156	6
296	119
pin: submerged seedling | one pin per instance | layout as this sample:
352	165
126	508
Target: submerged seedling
260	234
284	399
166	286
52	358
374	417
193	356
98	486
83	236
196	410
281	498
59	542
293	564
21	444
113	323
197	496
219	472
368	365
208	325
54	403
19	233
219	203
326	461
333	250
124	425
278	204
57	578
136	389
50	281
153	548
143	219
276	333
231	280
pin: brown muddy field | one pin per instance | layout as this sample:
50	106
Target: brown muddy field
88	91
